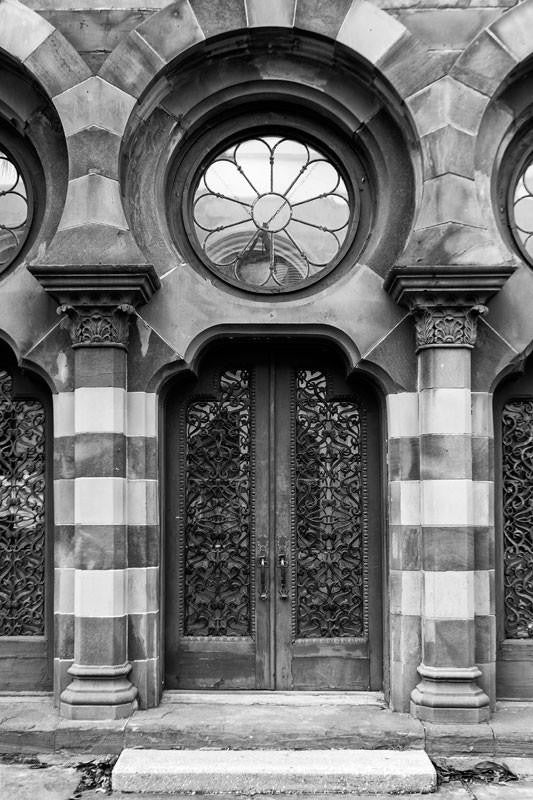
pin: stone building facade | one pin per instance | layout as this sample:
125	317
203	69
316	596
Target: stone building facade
266	451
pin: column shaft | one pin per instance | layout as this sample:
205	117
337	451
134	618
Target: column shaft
448	691
100	688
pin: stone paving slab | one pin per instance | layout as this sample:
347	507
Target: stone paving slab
31	724
276	771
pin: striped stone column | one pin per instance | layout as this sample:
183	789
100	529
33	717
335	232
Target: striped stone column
448	690
449	478
97	502
100	687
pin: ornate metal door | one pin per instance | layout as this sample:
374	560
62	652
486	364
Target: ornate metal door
514	447
273	570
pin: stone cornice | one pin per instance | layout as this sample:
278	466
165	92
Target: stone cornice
463	286
100	286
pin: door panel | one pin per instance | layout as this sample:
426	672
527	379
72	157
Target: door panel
513	440
272	528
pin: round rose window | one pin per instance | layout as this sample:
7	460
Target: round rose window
14	209
271	213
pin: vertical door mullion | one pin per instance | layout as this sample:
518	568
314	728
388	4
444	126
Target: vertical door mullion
262	514
284	590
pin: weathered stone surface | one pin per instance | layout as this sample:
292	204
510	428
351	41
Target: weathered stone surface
447	102
57	65
370	32
513	30
445	28
219	16
93	150
449	198
132	65
93	200
313	15
410	66
172	30
279	13
94	32
94	102
448	150
442	740
484	65
93	244
21	29
52	783
452	243
274	771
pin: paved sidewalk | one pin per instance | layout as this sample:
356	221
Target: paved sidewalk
58	781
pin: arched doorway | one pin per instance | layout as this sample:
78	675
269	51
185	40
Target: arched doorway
273	530
513	434
26	569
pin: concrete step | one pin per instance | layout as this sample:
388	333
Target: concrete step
274	771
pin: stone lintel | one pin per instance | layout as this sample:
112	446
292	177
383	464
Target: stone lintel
460	286
103	285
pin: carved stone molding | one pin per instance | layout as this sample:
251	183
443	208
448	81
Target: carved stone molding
446	301
446	326
92	326
97	301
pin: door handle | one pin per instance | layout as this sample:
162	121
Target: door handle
263	567
283	593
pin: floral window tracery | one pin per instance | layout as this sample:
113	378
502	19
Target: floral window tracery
15	210
272	213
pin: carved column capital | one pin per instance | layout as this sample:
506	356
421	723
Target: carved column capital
446	326
98	326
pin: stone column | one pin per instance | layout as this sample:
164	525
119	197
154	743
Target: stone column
97	304
100	688
447	303
448	690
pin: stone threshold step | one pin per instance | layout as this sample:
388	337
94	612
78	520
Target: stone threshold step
274	771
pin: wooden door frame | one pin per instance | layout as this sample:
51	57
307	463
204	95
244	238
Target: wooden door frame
236	337
28	385
515	386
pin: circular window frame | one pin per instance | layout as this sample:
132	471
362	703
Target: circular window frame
192	158
517	155
20	151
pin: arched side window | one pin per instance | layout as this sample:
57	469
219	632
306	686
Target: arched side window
25	632
513	423
16	205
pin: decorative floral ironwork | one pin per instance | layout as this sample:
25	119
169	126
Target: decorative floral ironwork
271	212
14	212
517	441
447	326
22	513
217	511
521	215
329	516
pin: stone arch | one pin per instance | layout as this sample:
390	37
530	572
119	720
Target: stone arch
361	28
32	41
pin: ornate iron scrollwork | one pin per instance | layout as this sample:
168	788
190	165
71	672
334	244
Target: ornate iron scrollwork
517	441
217	511
22	513
329	512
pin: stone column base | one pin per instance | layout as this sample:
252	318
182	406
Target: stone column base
449	695
99	693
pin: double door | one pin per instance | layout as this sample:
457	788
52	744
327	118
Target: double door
273	559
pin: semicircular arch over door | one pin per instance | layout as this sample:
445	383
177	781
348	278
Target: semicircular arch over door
273	530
